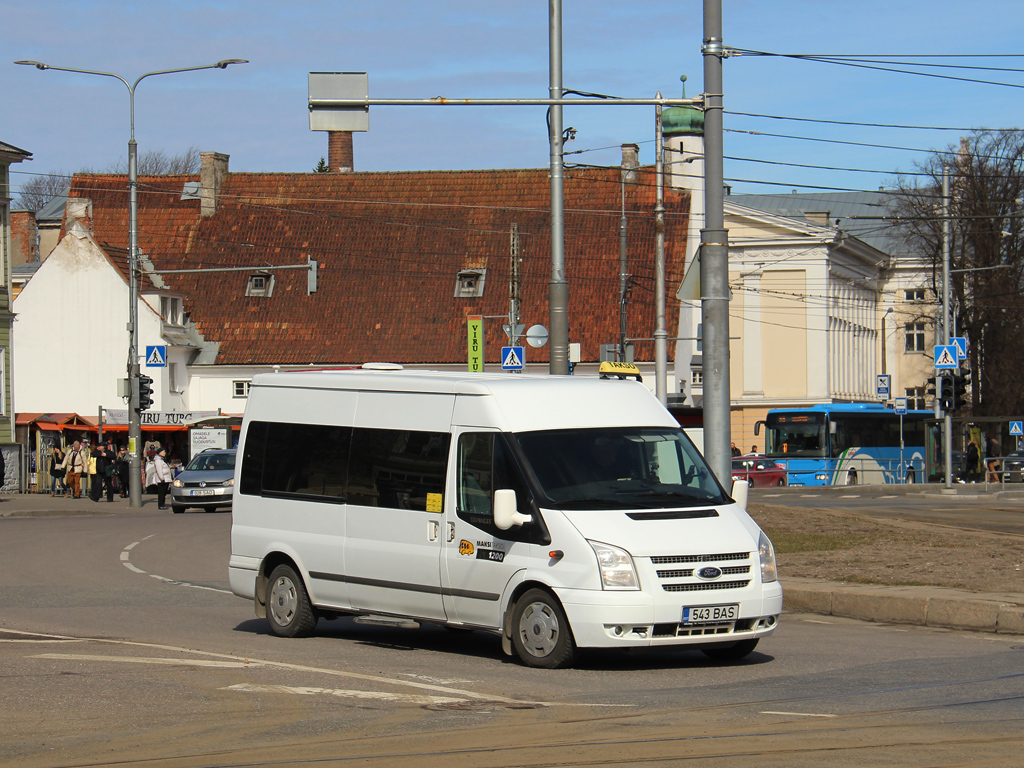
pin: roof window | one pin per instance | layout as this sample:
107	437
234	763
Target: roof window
470	283
260	284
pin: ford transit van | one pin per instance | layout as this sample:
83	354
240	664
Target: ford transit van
558	512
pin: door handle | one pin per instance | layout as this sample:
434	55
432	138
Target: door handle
451	531
433	530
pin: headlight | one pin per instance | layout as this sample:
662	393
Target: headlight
617	571
178	484
230	481
766	552
821	476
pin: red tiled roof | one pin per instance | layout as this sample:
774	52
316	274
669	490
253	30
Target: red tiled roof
389	248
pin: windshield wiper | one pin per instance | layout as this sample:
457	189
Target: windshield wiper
602	502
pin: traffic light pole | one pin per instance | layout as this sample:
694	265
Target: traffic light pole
947	421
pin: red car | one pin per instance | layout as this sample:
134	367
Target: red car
761	472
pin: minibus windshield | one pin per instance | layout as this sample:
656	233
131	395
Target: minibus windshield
618	468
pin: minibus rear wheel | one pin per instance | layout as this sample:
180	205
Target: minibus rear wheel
289	611
540	631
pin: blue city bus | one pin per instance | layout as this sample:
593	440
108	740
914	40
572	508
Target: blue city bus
847	444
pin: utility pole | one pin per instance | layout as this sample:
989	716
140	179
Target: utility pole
513	287
660	332
947	421
558	288
714	257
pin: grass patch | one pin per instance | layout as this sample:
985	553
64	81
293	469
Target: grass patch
787	542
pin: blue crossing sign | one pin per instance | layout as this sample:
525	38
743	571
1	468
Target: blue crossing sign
946	356
512	358
156	356
1017	429
961	346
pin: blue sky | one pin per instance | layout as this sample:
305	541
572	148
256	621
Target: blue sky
257	112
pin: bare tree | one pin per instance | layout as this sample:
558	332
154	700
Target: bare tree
986	256
39	190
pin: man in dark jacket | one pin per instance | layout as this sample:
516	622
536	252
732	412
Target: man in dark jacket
104	471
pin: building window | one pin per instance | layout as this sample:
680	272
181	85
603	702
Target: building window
260	284
697	378
170	309
915	399
914	337
914	294
172	378
470	283
241	388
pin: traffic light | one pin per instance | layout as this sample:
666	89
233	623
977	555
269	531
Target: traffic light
145	393
961	382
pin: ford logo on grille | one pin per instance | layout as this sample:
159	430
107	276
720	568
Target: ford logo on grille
710	572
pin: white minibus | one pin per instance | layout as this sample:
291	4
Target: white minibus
557	512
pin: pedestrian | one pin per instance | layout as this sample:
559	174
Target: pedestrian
735	450
753	448
971	457
163	477
992	461
57	472
75	464
104	476
123	471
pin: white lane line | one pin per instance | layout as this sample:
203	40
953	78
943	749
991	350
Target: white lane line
400	698
809	495
796	714
851	496
888	497
126	562
770	495
148	660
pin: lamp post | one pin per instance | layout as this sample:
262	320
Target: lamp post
134	415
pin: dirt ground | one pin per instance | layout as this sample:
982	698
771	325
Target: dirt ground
846	547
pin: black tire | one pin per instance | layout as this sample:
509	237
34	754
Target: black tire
177	508
781	482
732	652
540	631
911	479
851	478
289	612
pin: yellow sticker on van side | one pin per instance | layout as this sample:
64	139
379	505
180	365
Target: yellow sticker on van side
435	502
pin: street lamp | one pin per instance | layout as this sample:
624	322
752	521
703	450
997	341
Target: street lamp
134	416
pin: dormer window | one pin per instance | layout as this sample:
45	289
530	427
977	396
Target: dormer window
470	283
170	310
260	284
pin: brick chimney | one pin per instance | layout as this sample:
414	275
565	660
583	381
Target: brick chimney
630	162
24	238
339	151
213	169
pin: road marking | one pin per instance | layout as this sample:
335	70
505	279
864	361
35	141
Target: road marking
888	497
770	495
851	496
149	660
797	714
809	495
401	698
126	562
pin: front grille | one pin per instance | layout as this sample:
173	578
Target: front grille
702	586
689	579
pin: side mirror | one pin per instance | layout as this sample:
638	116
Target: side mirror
505	513
740	492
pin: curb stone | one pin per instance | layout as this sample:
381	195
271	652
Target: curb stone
922	606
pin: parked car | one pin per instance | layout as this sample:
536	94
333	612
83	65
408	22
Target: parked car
1013	467
208	482
759	471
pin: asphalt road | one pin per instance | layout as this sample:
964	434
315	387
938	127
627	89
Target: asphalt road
120	644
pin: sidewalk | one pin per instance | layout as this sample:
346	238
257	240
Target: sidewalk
924	606
45	505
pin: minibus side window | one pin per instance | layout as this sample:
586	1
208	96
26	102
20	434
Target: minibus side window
305	460
397	468
251	478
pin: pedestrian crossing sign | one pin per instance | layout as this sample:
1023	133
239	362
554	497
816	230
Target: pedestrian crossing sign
512	358
946	356
156	356
1017	429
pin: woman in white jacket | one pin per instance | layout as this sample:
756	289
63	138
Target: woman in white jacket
163	477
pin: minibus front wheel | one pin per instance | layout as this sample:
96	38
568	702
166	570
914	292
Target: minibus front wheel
540	631
289	611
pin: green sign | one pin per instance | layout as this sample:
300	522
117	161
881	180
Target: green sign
475	325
